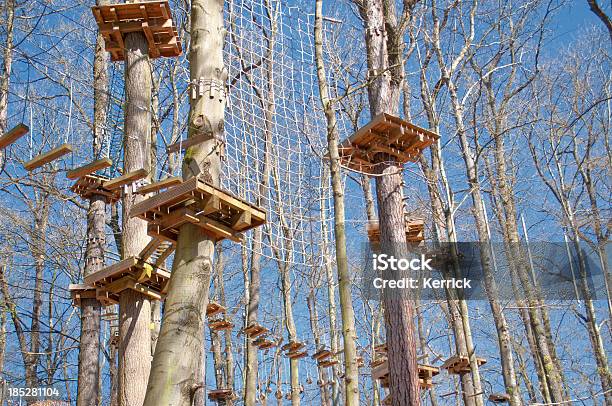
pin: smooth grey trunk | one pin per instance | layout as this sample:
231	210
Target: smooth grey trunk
351	371
175	373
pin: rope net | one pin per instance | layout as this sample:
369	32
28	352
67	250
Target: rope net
275	131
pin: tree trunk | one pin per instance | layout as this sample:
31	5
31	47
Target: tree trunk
134	307
316	333
174	372
351	371
89	347
384	50
7	61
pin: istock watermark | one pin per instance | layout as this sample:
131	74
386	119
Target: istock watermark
476	271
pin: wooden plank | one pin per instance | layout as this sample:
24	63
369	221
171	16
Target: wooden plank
48	157
171	196
147	291
241	220
177	218
150	248
119	285
13	135
157	186
154	25
189	142
218	230
126	179
226	198
89	168
111	270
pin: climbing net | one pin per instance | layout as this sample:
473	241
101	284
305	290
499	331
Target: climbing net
274	120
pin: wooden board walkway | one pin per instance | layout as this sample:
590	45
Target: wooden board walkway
153	19
219	214
384	138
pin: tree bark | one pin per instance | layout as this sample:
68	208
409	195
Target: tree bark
7	62
384	48
89	347
351	371
174	372
134	307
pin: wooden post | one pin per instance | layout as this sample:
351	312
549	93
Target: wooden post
175	376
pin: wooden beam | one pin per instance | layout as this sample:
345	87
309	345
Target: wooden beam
189	142
126	179
89	168
13	135
241	220
48	157
218	230
162	184
111	270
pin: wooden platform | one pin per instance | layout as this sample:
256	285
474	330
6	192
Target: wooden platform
13	135
224	394
47	157
296	354
264	344
460	364
154	19
213	308
131	273
426	374
89	185
385	137
415	231
499	398
255	330
322	354
220	325
293	346
218	213
328	362
80	291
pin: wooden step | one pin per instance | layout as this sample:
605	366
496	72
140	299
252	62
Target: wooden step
159	185
255	330
296	354
460	364
220	325
153	19
426	373
328	363
47	157
13	135
88	186
322	354
189	142
89	168
213	308
292	346
385	138
219	214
